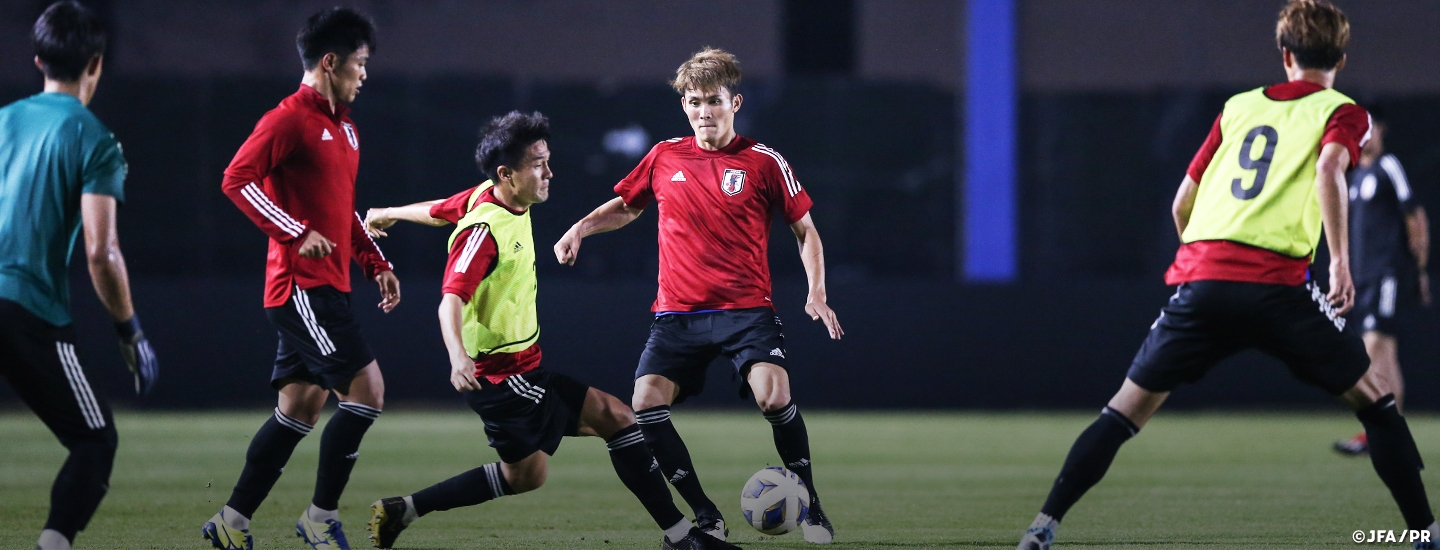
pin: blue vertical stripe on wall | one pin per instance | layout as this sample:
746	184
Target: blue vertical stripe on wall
989	209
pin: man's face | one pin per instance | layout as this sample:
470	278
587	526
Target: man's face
1376	146
711	112
349	75
531	180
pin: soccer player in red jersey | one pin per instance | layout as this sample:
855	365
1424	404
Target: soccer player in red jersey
295	178
1249	213
715	192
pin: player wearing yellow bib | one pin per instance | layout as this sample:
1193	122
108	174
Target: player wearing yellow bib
1249	214
491	329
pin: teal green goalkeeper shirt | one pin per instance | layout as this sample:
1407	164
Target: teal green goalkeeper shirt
52	150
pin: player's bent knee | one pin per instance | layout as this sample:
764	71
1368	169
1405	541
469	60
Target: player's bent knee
525	479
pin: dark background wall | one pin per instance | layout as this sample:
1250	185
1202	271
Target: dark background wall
1109	118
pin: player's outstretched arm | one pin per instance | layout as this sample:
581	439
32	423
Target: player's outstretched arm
377	220
1184	203
812	254
608	217
1330	181
112	285
462	368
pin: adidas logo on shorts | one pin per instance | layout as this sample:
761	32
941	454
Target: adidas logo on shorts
777	353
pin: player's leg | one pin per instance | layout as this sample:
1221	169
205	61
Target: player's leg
1381	348
1187	340
361	401
39	362
1375	313
1321	349
606	417
298	409
672	368
770	384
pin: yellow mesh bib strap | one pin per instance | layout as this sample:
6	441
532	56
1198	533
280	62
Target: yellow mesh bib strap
1259	188
501	316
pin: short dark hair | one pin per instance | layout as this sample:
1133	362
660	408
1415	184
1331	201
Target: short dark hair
341	31
1315	32
506	139
66	37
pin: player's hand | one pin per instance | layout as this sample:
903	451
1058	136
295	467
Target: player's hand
818	311
462	374
138	354
389	290
315	245
376	222
1424	288
1342	289
568	247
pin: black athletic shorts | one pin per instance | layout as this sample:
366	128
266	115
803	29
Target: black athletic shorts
1207	321
529	412
320	340
1376	303
38	360
681	346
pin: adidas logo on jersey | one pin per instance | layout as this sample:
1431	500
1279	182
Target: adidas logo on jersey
517	247
679	176
325	135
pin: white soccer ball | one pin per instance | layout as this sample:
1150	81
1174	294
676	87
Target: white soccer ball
775	501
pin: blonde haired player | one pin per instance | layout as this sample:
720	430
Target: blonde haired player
1250	213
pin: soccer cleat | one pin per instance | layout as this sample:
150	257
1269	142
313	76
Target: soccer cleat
817	528
698	539
221	535
325	535
387	520
1354	446
715	527
1037	538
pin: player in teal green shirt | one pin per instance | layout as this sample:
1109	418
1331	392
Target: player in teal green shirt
61	170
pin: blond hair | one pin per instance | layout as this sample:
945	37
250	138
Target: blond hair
1315	31
709	69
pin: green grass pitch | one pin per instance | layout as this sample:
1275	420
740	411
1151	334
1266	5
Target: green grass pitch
889	480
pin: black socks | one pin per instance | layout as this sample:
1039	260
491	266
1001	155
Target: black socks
793	443
468	489
1088	460
339	448
1393	453
640	473
269	450
674	458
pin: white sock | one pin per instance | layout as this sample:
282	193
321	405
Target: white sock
321	516
51	539
1042	520
679	530
234	519
410	514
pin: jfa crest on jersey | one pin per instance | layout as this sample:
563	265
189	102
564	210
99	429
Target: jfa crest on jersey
732	182
350	135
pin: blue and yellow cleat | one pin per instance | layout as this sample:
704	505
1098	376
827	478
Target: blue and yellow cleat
221	535
322	536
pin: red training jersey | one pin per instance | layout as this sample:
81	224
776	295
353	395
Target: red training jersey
715	209
472	257
296	174
1349	125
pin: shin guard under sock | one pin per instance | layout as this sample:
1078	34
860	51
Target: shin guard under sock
638	470
1393	453
339	449
269	450
793	443
1088	460
674	459
468	489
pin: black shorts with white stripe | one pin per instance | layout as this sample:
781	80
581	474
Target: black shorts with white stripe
682	346
320	340
38	360
529	412
1208	321
1379	303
